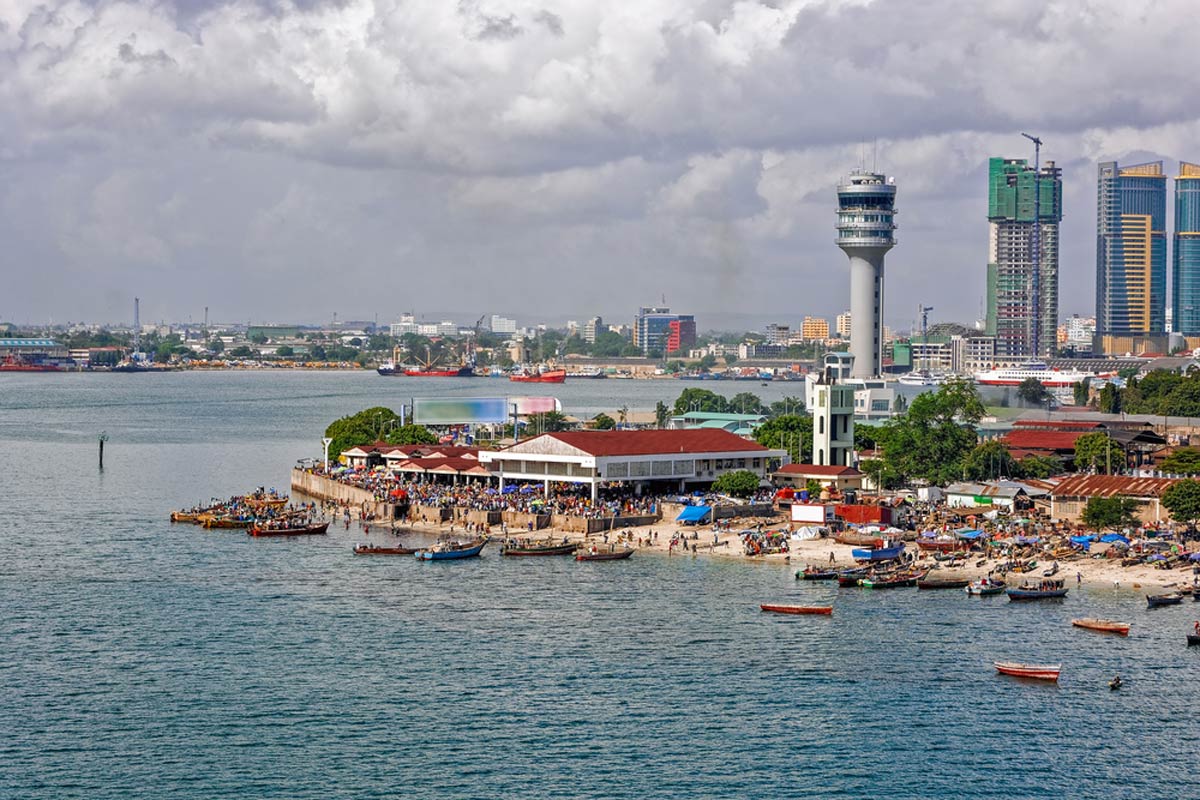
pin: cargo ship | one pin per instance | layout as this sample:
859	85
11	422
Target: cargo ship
425	369
14	363
540	376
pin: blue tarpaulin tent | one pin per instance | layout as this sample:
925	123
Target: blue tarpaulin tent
694	514
1114	537
967	533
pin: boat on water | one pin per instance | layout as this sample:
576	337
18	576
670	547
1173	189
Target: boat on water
445	551
1044	590
985	587
1170	599
538	549
291	529
1102	625
375	550
540	376
1039	371
190	517
943	583
816	574
1041	672
920	378
898	580
14	363
780	608
1193	639
223	522
600	555
851	577
885	553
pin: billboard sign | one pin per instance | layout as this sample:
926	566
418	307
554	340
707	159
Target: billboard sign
460	411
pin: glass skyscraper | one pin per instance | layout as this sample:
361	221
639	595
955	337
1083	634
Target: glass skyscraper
1185	266
1131	250
1012	312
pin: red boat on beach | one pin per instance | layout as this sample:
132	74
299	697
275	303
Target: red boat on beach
302	530
775	608
1041	672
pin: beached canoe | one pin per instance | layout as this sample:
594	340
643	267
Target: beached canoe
1170	599
299	530
1102	625
373	550
446	552
817	574
858	539
878	553
1041	672
779	608
615	555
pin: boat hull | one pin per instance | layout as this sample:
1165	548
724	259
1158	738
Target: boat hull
461	372
943	584
557	550
449	555
1040	672
367	550
1102	625
1157	600
790	609
613	556
878	553
550	376
304	530
1036	594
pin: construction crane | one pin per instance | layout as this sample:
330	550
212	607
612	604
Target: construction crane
924	310
1036	274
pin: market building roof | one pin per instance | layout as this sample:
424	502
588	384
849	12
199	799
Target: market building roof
830	470
644	443
1111	486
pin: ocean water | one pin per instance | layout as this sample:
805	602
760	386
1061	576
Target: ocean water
141	659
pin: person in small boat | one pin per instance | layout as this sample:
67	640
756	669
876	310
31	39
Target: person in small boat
1196	627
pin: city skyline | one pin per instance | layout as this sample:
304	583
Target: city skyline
147	162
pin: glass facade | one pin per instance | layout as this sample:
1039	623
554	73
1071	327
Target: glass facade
1131	249
1185	267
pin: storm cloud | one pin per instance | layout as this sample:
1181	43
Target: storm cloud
285	161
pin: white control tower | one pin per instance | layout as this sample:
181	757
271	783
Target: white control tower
866	231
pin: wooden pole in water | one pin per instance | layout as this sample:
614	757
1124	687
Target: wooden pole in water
103	439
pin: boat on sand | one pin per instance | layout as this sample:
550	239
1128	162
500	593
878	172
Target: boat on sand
600	555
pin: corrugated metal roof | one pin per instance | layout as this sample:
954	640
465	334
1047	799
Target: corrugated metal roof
641	443
1111	486
1043	440
817	469
28	343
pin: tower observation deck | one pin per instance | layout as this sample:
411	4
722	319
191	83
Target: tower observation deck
865	232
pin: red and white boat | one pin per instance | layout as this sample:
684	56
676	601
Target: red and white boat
14	363
1041	672
1102	625
541	376
790	609
1052	378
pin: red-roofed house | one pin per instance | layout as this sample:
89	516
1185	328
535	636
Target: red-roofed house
682	458
835	477
1070	496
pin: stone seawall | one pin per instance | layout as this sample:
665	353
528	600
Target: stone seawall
322	488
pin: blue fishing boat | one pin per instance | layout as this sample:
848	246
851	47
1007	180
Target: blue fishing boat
1044	590
448	550
886	553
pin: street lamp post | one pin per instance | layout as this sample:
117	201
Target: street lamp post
326	441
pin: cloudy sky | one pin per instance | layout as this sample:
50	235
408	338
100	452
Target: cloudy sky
282	161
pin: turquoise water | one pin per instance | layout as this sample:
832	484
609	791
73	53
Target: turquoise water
142	659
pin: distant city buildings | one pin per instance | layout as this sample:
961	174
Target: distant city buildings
1131	257
814	329
778	334
1185	257
1013	310
843	325
592	328
503	325
656	330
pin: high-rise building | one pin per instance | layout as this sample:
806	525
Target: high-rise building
865	232
657	331
1185	259
814	329
1131	252
1013	311
843	325
503	324
592	328
778	334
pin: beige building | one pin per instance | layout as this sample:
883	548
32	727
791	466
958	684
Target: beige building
843	325
1069	498
814	329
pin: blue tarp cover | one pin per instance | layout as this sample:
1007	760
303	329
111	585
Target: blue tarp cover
967	533
694	514
1113	537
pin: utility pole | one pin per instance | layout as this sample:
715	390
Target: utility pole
1036	300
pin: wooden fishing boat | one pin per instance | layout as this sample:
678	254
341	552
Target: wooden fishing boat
374	550
943	583
937	545
851	577
191	517
1041	672
614	555
898	580
543	549
879	553
1102	625
1170	599
266	502
1049	573
779	608
815	574
227	522
298	530
985	588
856	539
1193	639
1045	590
452	550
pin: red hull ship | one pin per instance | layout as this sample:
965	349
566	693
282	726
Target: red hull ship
549	376
18	364
456	372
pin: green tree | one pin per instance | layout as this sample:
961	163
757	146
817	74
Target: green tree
791	432
368	425
1109	512
603	422
575	345
730	359
285	351
1184	461
932	439
410	434
700	400
662	414
1097	452
1110	399
740	483
788	405
241	351
547	422
988	460
708	361
258	338
1033	392
610	345
1183	501
879	472
317	352
1039	466
746	403
216	346
1081	391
